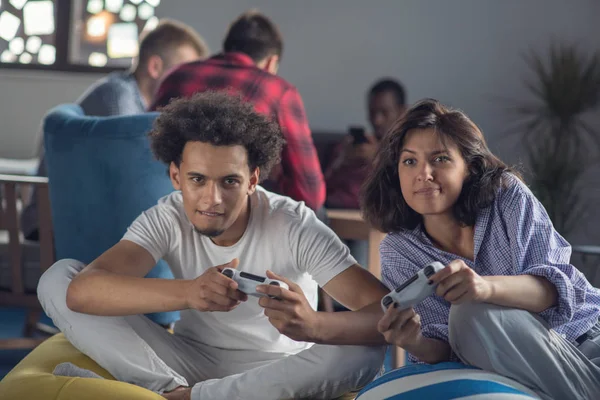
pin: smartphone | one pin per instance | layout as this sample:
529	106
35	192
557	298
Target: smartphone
358	134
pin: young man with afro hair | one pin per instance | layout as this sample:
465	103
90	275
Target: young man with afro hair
226	345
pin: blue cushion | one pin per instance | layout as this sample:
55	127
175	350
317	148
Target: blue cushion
443	381
102	176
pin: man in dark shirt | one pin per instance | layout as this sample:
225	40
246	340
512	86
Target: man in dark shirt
350	161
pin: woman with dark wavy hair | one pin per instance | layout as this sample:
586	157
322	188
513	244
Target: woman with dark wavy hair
508	300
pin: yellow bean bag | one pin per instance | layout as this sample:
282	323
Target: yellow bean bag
32	378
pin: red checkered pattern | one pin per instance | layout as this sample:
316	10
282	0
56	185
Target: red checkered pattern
299	175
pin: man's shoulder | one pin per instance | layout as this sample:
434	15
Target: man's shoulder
190	68
275	79
278	209
278	85
170	207
109	87
217	70
116	81
173	200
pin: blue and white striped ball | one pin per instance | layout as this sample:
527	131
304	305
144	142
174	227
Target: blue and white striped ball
444	381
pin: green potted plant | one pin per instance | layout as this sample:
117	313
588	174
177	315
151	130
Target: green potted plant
560	143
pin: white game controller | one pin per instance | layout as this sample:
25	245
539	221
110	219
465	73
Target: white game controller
247	282
414	290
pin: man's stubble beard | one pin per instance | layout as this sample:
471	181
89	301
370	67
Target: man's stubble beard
209	233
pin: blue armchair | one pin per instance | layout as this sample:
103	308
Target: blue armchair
102	175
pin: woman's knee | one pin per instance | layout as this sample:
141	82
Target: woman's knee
465	313
468	319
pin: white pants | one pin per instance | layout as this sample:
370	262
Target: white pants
136	350
519	345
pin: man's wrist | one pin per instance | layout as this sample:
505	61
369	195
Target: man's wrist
318	331
185	294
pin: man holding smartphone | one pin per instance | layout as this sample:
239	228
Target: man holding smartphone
353	156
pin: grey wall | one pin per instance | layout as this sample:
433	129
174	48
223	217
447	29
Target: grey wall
467	53
463	52
24	99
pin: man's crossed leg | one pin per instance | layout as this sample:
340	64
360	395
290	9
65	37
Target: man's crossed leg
135	350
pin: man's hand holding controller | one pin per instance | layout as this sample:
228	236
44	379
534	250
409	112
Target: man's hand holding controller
213	291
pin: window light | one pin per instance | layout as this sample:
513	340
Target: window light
33	44
47	54
38	17
17	45
151	24
7	57
25	58
122	40
9	25
128	13
114	6
95	6
97	59
96	26
18	4
145	11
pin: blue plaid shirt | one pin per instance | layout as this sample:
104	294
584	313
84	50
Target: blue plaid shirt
513	236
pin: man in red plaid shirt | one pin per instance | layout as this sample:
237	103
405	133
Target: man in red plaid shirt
248	67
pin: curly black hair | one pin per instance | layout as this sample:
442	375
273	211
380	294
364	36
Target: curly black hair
221	119
382	202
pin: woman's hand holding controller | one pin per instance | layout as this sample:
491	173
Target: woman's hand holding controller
401	327
457	283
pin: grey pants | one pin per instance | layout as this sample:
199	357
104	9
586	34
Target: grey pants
135	350
519	345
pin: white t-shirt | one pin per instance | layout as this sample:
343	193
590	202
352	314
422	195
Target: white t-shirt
282	235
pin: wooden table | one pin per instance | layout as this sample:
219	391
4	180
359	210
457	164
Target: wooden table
348	224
